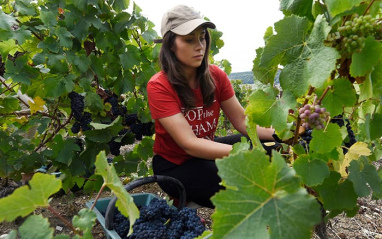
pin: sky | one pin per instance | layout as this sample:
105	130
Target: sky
242	22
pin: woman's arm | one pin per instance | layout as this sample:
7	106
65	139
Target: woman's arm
179	129
236	115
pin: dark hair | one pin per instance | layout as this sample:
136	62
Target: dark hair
172	67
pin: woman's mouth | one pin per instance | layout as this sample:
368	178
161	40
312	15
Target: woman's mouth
199	57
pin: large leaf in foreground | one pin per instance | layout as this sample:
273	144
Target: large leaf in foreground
23	200
125	202
29	230
262	199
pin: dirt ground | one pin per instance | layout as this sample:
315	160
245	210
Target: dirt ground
367	224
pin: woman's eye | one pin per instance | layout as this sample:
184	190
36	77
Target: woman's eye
189	40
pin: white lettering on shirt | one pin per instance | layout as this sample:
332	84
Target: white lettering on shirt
202	121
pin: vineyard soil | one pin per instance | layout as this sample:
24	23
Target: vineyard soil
367	224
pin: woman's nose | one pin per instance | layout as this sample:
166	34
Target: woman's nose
199	45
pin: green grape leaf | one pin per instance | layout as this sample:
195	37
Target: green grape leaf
128	163
29	230
7	47
130	58
94	102
21	35
64	36
145	148
125	202
49	44
97	66
335	7
6	21
62	236
103	133
241	146
64	149
123	21
216	41
376	79
25	7
120	5
9	105
365	176
337	194
314	64
252	133
364	62
265	75
105	40
326	141
341	94
307	60
56	86
81	29
266	110
12	235
85	220
20	71
82	62
302	8
226	66
263	196
312	170
366	92
48	17
25	200
278	50
376	126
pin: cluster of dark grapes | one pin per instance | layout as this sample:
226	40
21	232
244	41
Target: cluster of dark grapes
82	119
305	138
116	109
355	31
130	121
138	128
313	116
350	140
159	220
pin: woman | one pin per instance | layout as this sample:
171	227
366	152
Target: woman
185	99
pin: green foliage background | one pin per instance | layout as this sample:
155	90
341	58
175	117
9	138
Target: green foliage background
51	48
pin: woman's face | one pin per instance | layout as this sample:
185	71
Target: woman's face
190	49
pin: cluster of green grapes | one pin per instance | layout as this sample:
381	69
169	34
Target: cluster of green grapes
355	31
313	116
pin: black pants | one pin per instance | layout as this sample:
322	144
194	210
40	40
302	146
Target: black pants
198	176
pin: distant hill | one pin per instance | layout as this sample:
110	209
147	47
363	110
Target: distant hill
246	77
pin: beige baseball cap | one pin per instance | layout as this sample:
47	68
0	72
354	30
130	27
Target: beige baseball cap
182	20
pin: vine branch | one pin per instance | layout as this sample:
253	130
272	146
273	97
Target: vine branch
12	90
50	208
98	195
54	133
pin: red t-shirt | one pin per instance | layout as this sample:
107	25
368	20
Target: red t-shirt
164	102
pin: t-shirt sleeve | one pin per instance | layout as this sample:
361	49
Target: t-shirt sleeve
223	84
162	100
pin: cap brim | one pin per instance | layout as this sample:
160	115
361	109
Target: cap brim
188	27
